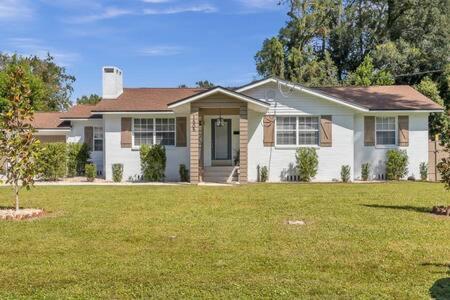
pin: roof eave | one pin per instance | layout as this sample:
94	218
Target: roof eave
215	90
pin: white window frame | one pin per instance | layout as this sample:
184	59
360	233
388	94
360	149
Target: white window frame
297	131
134	146
99	128
377	145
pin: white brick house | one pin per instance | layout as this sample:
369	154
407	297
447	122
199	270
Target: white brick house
260	124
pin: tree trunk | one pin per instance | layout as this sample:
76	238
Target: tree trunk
16	192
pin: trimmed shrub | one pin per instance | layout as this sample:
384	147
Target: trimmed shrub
396	164
91	172
77	157
264	174
423	171
117	171
345	173
184	173
52	161
444	169
365	171
307	163
153	162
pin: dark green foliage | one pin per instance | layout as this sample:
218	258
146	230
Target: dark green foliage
307	163
117	171
91	99
406	40
366	75
365	171
77	157
423	171
345	173
438	122
205	84
153	162
264	174
444	168
52	161
396	164
184	173
91	172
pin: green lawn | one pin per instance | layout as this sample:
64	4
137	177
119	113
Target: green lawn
361	241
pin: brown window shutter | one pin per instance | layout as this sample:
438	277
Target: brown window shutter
326	131
89	136
369	131
125	133
181	131
403	131
269	130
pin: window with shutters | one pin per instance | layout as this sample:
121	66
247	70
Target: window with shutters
385	131
98	138
155	131
297	131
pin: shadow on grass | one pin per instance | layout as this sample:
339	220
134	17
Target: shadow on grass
401	207
9	207
440	290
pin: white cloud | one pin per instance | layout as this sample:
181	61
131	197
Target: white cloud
200	8
161	50
106	13
31	46
14	9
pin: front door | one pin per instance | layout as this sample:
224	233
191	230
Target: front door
221	142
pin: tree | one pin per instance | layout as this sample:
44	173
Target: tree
270	59
57	83
438	122
205	84
91	99
19	148
366	75
406	39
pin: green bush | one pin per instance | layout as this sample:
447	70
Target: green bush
396	164
77	157
365	171
91	172
52	161
264	174
345	173
423	171
307	163
117	171
153	162
184	173
444	169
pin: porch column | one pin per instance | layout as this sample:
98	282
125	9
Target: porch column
194	145
243	143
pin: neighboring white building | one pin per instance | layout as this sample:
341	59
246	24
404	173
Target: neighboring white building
260	124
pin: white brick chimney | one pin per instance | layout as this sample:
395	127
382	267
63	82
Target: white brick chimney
112	82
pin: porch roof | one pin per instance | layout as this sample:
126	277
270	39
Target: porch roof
256	103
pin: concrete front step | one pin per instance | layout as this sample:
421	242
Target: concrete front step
220	174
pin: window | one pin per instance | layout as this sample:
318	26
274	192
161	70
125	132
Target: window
154	131
308	131
297	131
286	130
385	131
98	138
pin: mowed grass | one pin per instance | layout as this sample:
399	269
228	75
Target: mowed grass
361	241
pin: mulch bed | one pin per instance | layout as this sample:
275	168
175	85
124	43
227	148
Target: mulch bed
21	214
441	210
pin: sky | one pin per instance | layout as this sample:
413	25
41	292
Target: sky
156	43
